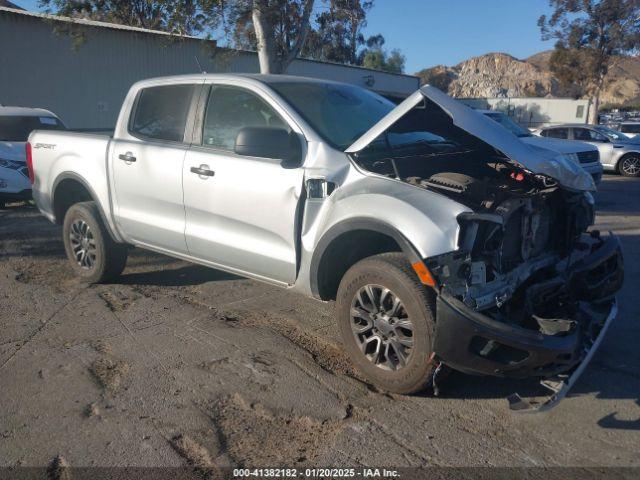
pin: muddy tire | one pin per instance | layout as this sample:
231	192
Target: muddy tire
386	319
629	165
91	251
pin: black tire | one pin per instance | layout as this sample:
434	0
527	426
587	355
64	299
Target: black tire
629	165
103	259
391	271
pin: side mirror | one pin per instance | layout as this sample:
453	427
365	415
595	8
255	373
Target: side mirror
269	142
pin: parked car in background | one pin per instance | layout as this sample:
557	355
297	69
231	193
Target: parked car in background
618	152
16	124
584	154
443	238
630	129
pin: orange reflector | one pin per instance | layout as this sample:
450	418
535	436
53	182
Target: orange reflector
423	274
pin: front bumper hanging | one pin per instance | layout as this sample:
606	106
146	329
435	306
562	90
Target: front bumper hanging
474	343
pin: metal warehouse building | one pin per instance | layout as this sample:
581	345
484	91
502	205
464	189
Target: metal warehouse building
85	87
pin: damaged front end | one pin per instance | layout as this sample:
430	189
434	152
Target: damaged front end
529	291
544	327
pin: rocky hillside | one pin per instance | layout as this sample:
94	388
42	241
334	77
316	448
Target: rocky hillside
499	74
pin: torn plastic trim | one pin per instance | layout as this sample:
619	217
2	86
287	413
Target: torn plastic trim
472	342
562	386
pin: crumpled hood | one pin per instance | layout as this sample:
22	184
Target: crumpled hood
557	145
13	151
536	160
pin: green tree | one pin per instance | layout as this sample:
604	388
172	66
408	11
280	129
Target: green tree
589	35
279	39
276	29
339	30
376	57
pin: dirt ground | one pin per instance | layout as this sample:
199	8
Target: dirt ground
178	365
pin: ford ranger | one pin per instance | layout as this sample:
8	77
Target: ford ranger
444	240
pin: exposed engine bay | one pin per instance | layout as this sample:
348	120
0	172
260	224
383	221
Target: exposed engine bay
528	290
525	231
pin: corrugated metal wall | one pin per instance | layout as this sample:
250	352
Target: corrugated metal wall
38	68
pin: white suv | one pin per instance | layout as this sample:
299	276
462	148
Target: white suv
16	123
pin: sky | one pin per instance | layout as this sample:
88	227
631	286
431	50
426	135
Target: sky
433	32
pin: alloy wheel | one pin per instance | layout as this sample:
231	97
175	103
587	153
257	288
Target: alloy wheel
631	166
381	327
83	244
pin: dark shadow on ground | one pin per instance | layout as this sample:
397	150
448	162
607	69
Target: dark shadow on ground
178	277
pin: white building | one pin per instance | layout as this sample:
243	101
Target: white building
85	86
535	112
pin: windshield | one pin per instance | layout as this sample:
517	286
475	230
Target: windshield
339	113
611	134
509	124
18	129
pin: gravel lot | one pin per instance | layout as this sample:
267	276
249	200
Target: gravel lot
179	365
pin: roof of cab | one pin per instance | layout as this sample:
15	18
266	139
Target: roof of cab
25	112
255	77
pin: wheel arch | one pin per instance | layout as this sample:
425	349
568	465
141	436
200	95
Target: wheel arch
70	188
329	263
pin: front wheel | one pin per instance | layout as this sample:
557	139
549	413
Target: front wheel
386	321
629	166
93	254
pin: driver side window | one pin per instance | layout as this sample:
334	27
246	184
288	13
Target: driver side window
229	109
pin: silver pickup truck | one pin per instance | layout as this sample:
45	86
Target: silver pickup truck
444	239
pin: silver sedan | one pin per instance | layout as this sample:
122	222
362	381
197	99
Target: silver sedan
617	151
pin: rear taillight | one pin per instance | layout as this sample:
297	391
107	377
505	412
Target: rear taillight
32	176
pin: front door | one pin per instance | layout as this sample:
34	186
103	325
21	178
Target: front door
605	147
241	212
147	168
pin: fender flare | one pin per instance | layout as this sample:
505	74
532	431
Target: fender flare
349	225
74	176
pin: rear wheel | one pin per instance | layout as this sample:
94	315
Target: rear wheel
386	321
629	166
93	254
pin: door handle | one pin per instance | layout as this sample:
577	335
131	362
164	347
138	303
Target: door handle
127	157
203	170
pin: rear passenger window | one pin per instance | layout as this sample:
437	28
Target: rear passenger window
230	109
161	112
557	133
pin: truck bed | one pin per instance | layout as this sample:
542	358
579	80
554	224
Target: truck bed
66	155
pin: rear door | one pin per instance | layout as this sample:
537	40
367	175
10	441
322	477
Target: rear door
147	167
242	213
